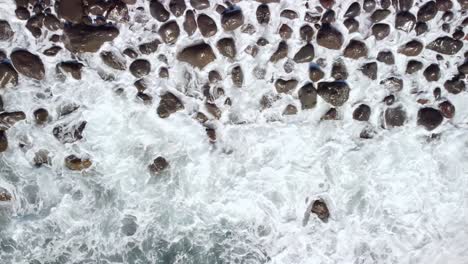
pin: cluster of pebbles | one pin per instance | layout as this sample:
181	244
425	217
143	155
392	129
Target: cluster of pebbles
209	33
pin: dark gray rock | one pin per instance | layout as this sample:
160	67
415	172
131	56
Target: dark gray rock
335	93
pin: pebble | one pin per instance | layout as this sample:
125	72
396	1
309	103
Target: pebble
285	86
370	70
263	14
308	96
177	7
158	11
353	10
305	54
200	4
285	32
329	37
237	76
447	109
306	33
22	13
28	64
113	60
227	47
289	14
290	110
5	195
52	51
394	117
351	24
432	73
41	115
71	67
3	141
386	57
169	32
405	21
446	45
231	19
335	93
158	165
356	49
75	163
190	25
280	53
8	75
380	31
149	47
368	5
206	25
140	68
168	105
339	71
362	113
315	73
427	11
331	114
69	133
429	118
379	15
454	85
328	17
319	207
70	10
214	77
392	84
130	52
403	5
411	48
444	5
198	55
421	28
413	66
163	73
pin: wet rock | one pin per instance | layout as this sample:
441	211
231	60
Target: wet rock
353	10
356	49
285	31
386	57
163	73
200	4
158	11
338	70
168	105
41	157
455	85
447	16
446	27
5	196
70	10
405	21
421	28
370	70
22	13
190	25
198	55
83	38
458	34
232	19
319	207
315	73
118	12
263	14
432	73
75	163
206	25
429	118
427	11
41	115
413	66
368	5
169	32
379	15
248	29
213	109
331	114
252	50
28	64
52	23
394	117
145	98
403	5
52	51
113	60
34	25
8	75
214	77
463	68
220	9
69	133
411	48
149	47
290	110
227	47
437	93
289	14
306	33
328	16
262	42
305	54
71	67
446	45
362	113
447	109
130	52
140	85
392	84
177	7
380	31
329	37
308	96
444	5
327	4
200	117
237	76
335	93
385	3
389	99
9	119
159	164
6	33
285	86
140	68
311	18
280	53
3	142
351	24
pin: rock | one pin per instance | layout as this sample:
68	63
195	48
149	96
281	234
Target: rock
82	38
427	11
280	53
158	11
206	25
237	76
380	31
149	47
432	73
315	73
329	37
305	54
411	48
285	31
3	55
3	141
338	70
28	64
130	52
437	93
385	3
444	5
140	85
232	19
463	68
421	28
308	96
392	84
263	14
389	99
52	23
311	18
118	12
379	15
213	109
370	70
198	55
159	164
447	109
386	57
71	67
214	77
362	113
220	9
34	25
262	42
112	60
455	85
163	73
368	5
41	116
146	98
448	16
319	207
458	34
328	16
74	163
351	24
227	47
8	75
190	25
306	33
331	114
248	29
52	51
70	10
5	196
289	14
285	86
288	66
169	32
354	10
22	13
69	133
9	119
252	50
327	4
290	110
356	49
177	7
405	21
403	5
168	105
140	68
335	93
394	117
41	157
446	45
429	118
413	66
200	4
